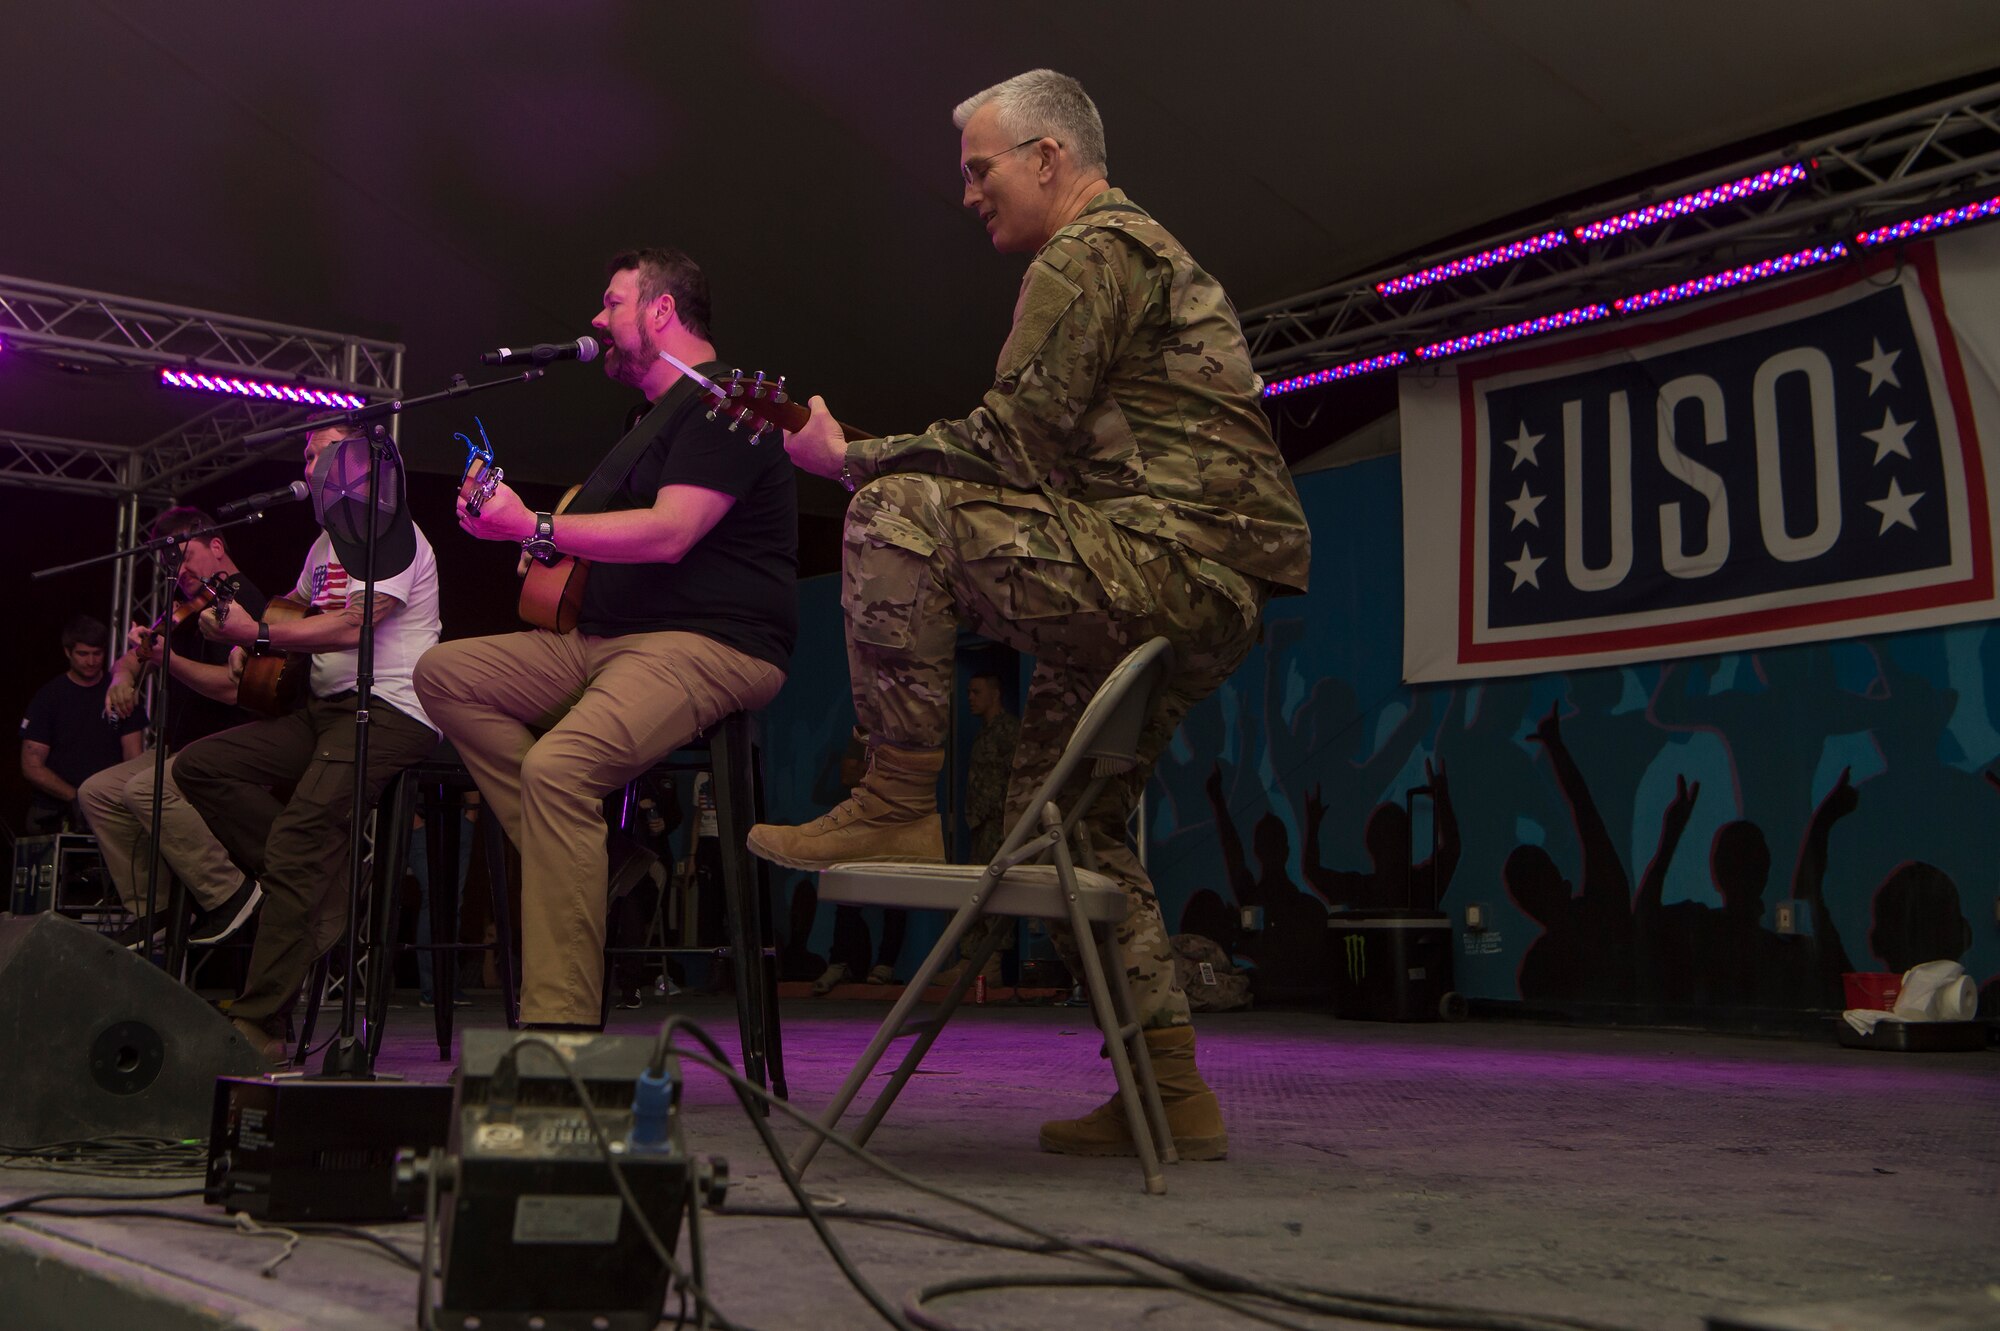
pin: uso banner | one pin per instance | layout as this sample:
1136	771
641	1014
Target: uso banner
1807	460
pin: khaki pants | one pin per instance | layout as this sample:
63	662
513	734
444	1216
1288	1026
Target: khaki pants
296	849
548	724
118	804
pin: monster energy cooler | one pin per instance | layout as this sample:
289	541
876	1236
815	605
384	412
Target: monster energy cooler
1390	965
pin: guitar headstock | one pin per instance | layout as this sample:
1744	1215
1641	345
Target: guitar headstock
758	401
480	478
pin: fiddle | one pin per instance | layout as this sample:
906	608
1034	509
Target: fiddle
145	641
213	592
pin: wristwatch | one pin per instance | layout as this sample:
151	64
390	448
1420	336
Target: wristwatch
263	638
542	545
846	477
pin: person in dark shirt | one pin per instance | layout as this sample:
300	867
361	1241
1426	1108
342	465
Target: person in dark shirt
689	615
118	801
66	735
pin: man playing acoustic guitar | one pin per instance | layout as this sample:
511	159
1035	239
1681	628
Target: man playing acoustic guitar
297	849
118	801
689	614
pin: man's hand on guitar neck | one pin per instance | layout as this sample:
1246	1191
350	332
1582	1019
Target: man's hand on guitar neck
503	517
820	448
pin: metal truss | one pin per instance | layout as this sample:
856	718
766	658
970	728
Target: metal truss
1877	172
69	324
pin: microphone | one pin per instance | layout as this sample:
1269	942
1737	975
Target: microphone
291	494
584	348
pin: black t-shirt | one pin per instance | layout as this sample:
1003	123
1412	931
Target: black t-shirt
190	715
69	718
738	585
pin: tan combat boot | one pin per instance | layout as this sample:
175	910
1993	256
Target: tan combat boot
892	815
1193	1116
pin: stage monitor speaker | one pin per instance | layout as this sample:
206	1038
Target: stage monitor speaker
94	1041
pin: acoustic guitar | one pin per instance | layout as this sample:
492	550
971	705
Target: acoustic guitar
276	682
552	590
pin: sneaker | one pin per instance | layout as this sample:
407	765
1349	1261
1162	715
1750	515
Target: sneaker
141	934
833	975
629	998
212	926
883	974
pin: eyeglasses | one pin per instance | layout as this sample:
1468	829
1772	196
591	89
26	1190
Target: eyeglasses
975	170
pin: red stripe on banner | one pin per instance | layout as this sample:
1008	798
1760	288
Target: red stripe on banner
1468	485
1923	259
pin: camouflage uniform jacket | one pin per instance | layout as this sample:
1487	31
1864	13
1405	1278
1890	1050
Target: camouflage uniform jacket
989	768
1125	387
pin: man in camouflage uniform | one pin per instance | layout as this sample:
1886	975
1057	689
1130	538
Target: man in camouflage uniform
1118	482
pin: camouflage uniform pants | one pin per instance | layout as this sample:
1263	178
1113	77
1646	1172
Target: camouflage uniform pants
925	555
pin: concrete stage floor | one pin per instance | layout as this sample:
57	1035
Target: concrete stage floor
1638	1179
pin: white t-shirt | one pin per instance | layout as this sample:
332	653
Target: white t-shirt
399	640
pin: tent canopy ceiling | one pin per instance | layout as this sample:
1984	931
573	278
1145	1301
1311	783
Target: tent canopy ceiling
452	175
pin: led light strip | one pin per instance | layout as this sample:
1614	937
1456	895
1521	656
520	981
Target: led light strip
1472	263
1333	372
1734	277
1917	226
1761	183
1490	337
274	392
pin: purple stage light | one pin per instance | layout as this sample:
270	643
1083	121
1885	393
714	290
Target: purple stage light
1917	226
1472	263
1548	323
1734	277
260	388
1333	372
1762	182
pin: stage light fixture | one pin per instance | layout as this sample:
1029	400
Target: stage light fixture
1333	372
1548	323
1472	263
1734	277
1938	221
1729	192
260	388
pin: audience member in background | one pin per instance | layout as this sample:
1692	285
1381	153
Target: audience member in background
66	735
848	957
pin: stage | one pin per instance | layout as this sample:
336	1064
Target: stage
1635	1179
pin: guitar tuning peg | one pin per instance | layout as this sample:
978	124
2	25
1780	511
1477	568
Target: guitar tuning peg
757	388
757	434
736	383
780	397
711	413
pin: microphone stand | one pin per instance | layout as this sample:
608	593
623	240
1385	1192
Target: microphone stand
173	950
377	410
347	1057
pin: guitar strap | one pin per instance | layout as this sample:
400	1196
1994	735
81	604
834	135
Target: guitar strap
667	413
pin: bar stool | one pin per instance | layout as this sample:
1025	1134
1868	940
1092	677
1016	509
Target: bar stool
729	752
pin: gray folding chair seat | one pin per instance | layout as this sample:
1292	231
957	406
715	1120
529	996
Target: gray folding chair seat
1031	875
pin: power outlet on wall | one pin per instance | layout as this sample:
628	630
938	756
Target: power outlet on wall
1475	917
1252	919
1792	917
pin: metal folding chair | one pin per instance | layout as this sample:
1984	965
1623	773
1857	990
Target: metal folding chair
1033	875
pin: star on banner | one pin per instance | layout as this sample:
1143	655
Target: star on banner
1895	508
1524	508
1524	570
1889	436
1881	367
1523	445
